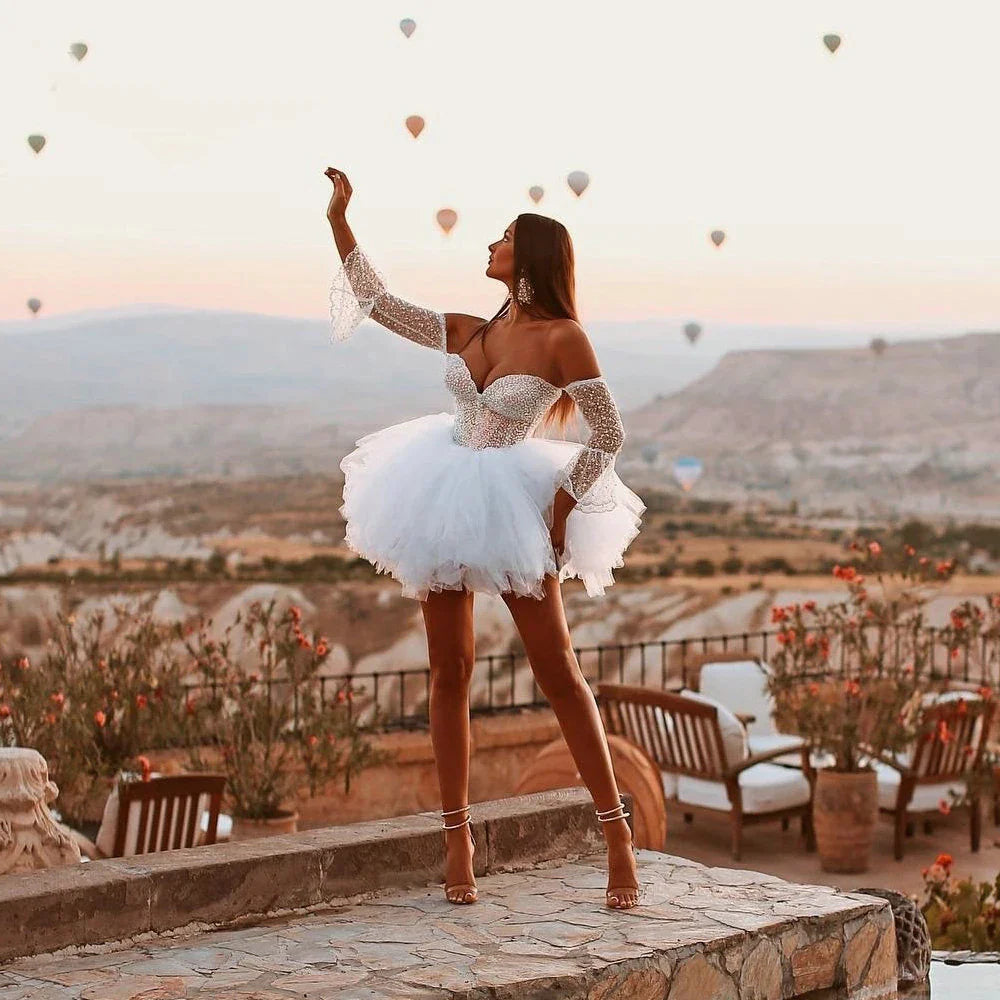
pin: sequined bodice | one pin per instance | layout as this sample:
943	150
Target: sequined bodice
505	412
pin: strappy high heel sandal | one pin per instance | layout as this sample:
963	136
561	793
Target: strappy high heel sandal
613	897
470	892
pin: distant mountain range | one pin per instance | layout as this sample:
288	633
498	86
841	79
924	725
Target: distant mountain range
170	391
181	391
917	428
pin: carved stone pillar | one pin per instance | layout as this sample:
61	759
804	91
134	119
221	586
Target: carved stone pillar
29	835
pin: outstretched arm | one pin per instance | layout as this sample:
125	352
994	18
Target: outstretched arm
358	291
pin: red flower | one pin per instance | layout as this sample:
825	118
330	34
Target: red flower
778	614
944	860
100	718
874	548
50	718
57	698
910	550
985	693
147	767
322	648
24	663
189	706
4	711
852	688
341	696
295	613
809	606
963	709
924	560
312	739
813	689
944	807
141	700
102	664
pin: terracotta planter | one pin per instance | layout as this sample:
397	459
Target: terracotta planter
845	811
287	821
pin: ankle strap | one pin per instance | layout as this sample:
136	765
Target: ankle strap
468	819
458	810
604	812
608	819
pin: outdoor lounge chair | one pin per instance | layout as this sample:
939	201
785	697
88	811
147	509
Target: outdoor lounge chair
701	750
915	783
741	685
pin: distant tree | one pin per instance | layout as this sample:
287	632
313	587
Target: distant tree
703	567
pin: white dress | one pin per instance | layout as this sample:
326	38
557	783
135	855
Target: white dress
464	499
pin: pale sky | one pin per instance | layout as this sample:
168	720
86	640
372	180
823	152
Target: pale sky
186	152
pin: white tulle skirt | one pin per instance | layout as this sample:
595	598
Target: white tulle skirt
437	515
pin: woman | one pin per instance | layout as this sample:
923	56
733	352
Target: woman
454	503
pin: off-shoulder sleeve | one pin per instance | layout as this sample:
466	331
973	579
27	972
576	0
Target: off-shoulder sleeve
358	292
585	478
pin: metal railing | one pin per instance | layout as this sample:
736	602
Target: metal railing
399	699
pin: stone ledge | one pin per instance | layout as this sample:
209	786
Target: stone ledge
535	934
121	897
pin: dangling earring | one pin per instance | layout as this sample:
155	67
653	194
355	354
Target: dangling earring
525	292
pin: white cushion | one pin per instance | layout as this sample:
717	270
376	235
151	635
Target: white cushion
669	783
734	736
740	685
767	742
764	788
925	797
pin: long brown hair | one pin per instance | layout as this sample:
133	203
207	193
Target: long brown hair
543	255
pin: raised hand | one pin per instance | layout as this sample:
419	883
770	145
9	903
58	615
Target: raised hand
342	192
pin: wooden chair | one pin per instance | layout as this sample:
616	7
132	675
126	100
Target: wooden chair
161	814
706	770
739	681
913	785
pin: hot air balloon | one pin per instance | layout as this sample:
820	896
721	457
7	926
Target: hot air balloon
446	219
578	182
687	471
407	26
692	331
832	42
718	235
415	124
34	305
36	142
535	193
78	50
878	345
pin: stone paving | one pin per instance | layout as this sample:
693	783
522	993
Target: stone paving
698	933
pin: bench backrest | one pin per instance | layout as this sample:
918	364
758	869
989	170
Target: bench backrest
680	734
164	813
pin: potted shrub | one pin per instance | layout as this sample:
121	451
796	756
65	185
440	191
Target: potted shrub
849	677
261	707
103	692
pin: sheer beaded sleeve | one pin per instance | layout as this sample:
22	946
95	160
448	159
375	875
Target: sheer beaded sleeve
585	477
358	292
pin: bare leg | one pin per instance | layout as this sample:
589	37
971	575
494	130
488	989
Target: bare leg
451	655
545	634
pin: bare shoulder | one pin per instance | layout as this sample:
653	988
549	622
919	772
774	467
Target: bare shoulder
573	352
461	327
